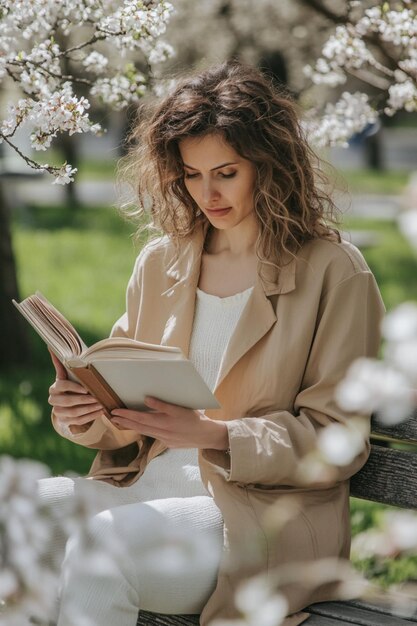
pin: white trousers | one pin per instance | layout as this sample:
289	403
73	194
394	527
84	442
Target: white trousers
130	557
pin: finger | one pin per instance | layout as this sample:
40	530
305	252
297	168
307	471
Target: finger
70	400
61	372
164	407
143	429
63	386
154	419
86	419
90	417
67	415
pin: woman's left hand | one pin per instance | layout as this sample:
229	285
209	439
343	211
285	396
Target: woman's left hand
174	426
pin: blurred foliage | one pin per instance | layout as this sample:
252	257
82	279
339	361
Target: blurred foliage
392	260
385	572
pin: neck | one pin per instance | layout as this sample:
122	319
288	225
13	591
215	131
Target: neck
238	241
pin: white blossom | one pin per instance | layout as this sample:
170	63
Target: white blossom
259	604
27	585
340	444
31	56
402	96
62	112
350	115
407	222
65	175
160	52
372	385
119	91
95	62
29	571
401	323
349	50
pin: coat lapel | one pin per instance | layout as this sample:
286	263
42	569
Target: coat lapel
257	317
259	314
184	270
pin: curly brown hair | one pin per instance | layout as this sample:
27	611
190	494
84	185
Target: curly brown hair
261	122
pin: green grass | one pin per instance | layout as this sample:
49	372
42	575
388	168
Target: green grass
392	261
391	182
81	261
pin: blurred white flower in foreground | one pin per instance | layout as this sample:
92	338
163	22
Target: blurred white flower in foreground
407	221
258	603
261	602
340	444
376	386
29	573
27	587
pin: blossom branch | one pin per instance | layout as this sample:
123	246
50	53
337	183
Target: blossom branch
39	66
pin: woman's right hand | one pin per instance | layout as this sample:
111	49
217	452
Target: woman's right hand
72	404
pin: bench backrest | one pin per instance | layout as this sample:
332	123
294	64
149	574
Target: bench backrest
390	474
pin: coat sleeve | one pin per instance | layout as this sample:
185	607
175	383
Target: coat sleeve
102	434
268	450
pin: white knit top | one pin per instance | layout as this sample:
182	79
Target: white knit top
214	322
215	319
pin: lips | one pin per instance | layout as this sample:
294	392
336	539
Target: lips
219	210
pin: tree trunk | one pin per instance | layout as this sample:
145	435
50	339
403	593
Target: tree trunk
70	152
14	347
374	154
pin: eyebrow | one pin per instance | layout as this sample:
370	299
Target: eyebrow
212	169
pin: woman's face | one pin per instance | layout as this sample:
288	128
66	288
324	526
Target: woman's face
219	180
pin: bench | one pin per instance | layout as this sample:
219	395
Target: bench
388	477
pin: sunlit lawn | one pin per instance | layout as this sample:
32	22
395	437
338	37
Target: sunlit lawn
81	261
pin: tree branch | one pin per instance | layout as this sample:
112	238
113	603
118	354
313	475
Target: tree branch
323	10
33	164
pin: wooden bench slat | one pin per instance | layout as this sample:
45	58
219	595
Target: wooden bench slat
389	477
156	619
347	613
320	620
406	431
383	608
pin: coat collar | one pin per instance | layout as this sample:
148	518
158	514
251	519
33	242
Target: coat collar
256	320
185	266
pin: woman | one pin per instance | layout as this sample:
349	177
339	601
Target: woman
272	307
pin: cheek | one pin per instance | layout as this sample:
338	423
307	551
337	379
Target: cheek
245	196
193	189
190	190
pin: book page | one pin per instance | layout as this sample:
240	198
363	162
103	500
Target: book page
51	326
123	346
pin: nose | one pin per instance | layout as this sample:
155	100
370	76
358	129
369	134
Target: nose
209	192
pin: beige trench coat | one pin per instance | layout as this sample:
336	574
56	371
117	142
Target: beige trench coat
299	332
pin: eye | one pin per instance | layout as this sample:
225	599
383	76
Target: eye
190	175
228	175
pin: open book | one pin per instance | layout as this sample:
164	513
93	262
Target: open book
119	372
